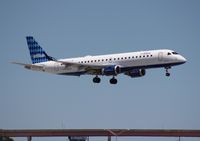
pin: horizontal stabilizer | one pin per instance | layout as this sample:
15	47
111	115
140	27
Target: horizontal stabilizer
29	66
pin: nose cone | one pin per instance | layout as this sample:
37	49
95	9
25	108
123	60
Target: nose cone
182	59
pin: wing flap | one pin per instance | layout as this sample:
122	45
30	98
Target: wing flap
90	68
85	66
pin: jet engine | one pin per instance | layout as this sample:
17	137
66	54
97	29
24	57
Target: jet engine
111	70
136	73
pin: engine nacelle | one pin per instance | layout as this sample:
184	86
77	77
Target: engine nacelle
111	70
136	73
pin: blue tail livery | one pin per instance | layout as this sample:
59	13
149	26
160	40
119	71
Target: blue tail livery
36	52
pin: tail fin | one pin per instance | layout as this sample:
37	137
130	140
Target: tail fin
36	52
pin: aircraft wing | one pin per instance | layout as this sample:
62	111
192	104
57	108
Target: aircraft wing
90	68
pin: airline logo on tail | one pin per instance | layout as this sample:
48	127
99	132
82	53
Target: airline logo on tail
37	53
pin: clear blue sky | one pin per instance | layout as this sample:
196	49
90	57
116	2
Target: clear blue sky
76	28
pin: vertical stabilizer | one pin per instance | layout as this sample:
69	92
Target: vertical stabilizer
36	52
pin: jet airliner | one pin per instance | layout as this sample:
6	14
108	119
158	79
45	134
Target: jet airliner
132	64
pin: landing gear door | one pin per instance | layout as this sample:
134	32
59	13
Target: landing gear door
160	56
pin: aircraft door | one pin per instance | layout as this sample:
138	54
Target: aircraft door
160	56
56	67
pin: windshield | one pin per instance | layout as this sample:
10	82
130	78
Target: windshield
174	53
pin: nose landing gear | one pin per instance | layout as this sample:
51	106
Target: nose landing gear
167	72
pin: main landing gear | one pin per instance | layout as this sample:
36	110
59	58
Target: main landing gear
113	80
167	72
96	79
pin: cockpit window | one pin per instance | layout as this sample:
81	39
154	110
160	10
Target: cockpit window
168	53
174	53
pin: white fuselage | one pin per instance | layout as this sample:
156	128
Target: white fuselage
126	61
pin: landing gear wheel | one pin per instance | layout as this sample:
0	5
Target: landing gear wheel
113	81
96	79
167	74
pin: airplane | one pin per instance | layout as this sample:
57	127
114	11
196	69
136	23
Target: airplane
132	64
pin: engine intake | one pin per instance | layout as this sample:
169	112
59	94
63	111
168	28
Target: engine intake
136	73
111	70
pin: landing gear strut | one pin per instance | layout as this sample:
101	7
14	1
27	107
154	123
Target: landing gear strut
113	80
167	72
96	79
